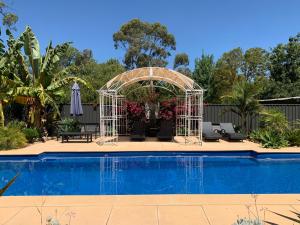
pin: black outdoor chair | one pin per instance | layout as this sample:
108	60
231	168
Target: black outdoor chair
228	132
92	127
209	133
166	131
138	131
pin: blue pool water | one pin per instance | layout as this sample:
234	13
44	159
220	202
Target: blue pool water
151	173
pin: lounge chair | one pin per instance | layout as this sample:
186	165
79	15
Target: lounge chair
166	131
228	131
208	132
138	131
92	127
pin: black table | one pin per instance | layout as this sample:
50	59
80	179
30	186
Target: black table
88	135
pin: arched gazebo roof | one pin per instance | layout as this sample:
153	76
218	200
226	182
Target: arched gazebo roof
151	73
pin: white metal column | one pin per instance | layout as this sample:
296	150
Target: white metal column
108	116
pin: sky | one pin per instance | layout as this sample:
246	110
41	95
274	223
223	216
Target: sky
209	26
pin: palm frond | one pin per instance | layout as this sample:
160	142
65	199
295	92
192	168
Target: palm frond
2	190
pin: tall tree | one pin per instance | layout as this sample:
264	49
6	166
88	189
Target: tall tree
9	19
96	74
284	61
232	60
204	75
284	69
146	44
181	63
255	63
227	71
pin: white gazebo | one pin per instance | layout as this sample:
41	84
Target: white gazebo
189	103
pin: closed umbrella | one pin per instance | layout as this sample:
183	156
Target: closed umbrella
76	107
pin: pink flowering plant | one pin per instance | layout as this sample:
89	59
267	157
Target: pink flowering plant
135	110
168	109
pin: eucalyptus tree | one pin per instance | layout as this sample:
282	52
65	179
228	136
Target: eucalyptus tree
181	63
9	19
146	44
41	79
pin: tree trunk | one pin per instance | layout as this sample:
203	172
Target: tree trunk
35	115
1	115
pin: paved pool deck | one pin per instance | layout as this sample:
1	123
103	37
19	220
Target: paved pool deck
151	144
145	209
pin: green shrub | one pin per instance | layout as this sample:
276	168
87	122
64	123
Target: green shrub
275	120
293	137
11	138
31	134
269	138
69	125
20	125
248	222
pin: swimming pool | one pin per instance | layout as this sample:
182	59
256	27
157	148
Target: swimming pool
124	173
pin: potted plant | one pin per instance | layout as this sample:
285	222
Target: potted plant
167	110
135	111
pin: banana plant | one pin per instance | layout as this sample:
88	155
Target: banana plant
8	80
39	76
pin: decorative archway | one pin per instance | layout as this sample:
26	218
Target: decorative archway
113	121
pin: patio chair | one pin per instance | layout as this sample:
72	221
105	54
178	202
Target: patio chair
166	131
92	127
209	133
228	131
138	131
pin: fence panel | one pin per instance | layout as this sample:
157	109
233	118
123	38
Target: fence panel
215	113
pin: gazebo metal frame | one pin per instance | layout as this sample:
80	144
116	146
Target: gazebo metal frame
189	110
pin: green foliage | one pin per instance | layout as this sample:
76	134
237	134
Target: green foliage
69	125
11	138
93	73
9	19
146	44
181	63
181	59
274	120
243	97
255	63
248	222
273	131
284	69
204	75
41	78
31	134
269	138
16	124
293	137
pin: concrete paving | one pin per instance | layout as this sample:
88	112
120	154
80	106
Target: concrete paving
151	144
145	209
